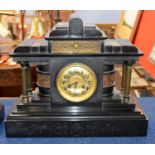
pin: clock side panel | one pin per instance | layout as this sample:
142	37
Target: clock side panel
57	63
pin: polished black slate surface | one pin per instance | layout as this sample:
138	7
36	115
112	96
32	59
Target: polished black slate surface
113	118
147	104
75	30
1	112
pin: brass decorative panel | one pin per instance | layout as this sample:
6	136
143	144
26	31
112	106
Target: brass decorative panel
108	80
43	80
76	46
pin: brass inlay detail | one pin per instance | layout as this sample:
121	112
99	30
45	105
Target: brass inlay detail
108	80
71	47
43	80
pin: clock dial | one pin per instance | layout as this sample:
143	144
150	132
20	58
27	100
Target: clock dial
76	82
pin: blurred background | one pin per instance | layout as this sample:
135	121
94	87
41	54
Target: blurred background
136	26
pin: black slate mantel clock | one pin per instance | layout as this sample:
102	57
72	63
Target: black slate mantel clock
1	112
76	94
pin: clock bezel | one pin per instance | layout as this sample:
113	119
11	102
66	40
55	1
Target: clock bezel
71	97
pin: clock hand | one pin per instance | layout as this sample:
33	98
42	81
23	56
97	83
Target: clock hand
75	83
70	85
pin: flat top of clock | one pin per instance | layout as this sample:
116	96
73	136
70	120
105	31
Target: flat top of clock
65	25
75	29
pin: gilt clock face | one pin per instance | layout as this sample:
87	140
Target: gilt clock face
76	82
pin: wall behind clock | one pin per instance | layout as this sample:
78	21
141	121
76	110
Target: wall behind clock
99	16
145	39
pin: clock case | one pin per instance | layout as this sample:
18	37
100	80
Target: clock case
104	116
1	112
95	64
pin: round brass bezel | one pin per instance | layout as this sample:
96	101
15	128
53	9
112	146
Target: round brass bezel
85	70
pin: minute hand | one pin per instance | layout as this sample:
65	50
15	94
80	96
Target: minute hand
75	84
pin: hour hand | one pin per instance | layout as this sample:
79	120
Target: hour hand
74	83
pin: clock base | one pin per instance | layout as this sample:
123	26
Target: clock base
38	120
1	112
